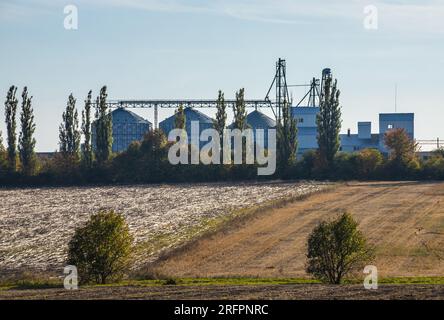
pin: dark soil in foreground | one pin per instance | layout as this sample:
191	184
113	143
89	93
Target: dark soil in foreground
261	292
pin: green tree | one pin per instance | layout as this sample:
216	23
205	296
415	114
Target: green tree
239	111
101	248
287	138
69	133
10	115
103	128
26	138
3	156
2	147
179	118
220	123
402	148
329	122
86	130
221	114
434	165
336	249
370	160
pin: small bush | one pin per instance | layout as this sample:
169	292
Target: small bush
101	249
337	248
170	282
369	162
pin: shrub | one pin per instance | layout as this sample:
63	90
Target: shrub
101	248
307	163
345	166
369	162
434	166
337	248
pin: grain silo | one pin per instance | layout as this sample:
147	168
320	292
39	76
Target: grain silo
127	127
258	120
191	115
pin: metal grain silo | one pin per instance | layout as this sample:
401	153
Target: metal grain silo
127	127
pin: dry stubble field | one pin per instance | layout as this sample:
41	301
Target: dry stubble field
404	220
37	223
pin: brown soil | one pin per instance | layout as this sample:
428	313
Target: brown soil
307	291
404	220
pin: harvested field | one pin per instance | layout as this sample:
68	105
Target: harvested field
257	292
36	224
403	220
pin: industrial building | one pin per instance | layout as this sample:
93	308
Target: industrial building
307	128
366	139
127	127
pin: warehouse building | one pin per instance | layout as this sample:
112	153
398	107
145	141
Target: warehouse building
366	139
307	130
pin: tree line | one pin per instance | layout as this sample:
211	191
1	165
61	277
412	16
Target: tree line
80	160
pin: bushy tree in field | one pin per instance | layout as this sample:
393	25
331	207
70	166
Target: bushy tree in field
337	248
26	139
101	249
10	115
329	123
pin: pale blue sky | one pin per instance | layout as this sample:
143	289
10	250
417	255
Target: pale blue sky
190	49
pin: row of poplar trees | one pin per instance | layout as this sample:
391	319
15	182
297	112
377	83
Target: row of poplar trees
70	132
19	156
328	122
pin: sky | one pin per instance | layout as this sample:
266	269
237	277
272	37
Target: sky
177	49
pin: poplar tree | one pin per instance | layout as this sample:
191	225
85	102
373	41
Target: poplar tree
219	123
86	130
103	128
240	113
26	138
10	116
287	137
179	118
329	122
3	156
69	134
2	147
180	123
